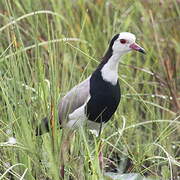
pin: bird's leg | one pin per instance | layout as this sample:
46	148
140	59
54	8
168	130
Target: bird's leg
62	171
65	147
62	155
100	156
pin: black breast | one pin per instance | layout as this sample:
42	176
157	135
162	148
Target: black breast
104	99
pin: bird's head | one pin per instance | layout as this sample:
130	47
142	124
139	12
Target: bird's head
125	42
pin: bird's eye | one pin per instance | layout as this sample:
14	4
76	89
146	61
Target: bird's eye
123	41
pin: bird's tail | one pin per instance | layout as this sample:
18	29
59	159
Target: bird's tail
43	127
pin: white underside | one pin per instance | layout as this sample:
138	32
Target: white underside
95	127
78	118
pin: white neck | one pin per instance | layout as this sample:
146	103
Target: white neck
109	71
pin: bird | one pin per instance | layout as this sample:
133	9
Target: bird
94	101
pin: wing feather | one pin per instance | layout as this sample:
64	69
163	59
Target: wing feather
75	98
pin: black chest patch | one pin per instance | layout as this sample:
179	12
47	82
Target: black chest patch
104	99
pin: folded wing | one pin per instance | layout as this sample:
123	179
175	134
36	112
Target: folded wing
74	99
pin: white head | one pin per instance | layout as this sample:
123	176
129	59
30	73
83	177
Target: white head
125	42
119	45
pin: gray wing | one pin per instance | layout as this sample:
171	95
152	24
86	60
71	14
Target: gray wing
75	98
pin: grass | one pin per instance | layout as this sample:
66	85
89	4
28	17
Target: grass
46	47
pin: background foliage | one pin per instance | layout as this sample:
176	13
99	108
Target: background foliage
46	47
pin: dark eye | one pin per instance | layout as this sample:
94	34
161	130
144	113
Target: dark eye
123	41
